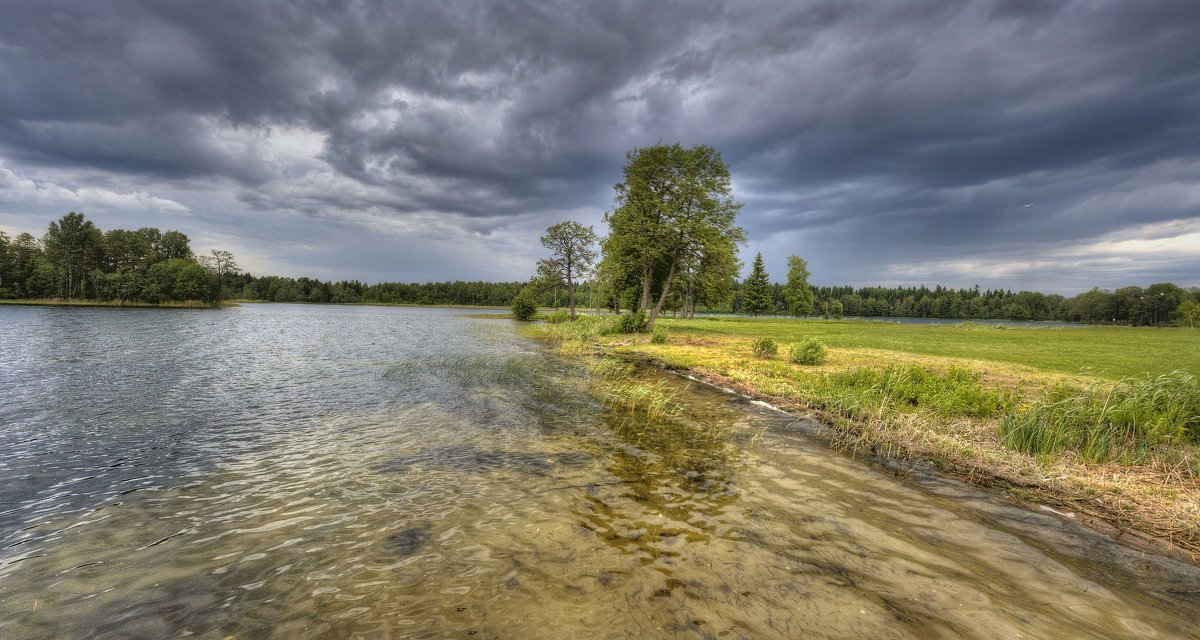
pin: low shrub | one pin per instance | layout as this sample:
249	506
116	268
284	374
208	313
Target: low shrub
631	323
659	335
558	317
524	307
808	351
764	348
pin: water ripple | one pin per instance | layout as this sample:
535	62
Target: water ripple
308	472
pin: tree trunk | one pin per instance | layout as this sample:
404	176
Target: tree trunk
645	303
571	293
662	298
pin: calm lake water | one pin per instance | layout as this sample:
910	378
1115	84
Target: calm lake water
336	472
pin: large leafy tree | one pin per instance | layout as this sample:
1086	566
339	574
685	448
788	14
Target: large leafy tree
31	276
710	279
221	264
73	246
173	245
674	214
573	255
1188	313
756	291
797	292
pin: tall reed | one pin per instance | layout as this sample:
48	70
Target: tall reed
1108	421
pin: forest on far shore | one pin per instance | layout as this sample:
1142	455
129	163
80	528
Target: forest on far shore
77	260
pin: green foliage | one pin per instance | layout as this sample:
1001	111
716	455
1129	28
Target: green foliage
808	351
764	348
1105	421
757	294
572	259
674	219
174	245
659	335
1188	314
74	247
631	323
76	260
181	279
797	293
523	305
558	316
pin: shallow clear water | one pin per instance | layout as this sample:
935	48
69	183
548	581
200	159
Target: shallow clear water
309	471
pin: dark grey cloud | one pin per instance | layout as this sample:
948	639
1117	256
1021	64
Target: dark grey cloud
895	142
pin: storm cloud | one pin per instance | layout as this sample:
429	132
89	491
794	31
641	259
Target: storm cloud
1016	143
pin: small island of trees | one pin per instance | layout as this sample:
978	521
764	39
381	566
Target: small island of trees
76	260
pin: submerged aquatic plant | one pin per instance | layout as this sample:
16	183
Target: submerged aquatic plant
463	370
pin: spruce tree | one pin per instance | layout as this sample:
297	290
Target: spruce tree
756	291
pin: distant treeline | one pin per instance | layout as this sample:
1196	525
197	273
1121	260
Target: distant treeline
279	289
1156	304
77	260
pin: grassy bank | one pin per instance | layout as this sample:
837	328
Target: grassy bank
75	302
1101	422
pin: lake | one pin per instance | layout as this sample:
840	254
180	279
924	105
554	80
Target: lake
296	471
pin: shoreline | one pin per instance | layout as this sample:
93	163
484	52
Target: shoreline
113	304
1017	490
1138	504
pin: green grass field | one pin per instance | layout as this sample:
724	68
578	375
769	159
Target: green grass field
1104	351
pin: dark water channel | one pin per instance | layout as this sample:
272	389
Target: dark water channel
304	471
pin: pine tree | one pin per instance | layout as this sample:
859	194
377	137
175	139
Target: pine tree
756	291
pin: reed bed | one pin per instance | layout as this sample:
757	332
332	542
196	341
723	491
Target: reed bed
1126	421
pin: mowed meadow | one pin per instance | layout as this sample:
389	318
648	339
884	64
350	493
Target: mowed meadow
1102	351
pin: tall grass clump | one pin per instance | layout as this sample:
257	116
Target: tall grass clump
558	317
764	348
808	351
907	389
1104	422
659	335
655	401
610	368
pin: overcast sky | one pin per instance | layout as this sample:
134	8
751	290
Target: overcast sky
1022	144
